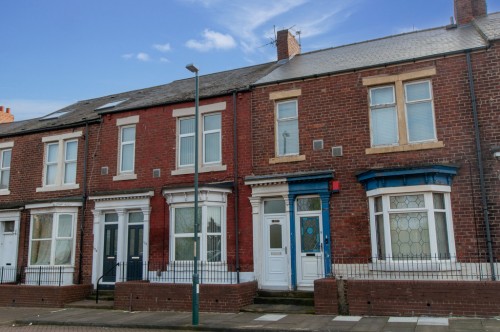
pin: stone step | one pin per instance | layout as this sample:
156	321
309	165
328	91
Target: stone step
278	308
284	300
90	304
288	294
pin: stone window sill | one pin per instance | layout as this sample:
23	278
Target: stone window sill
287	159
202	169
125	177
407	147
57	188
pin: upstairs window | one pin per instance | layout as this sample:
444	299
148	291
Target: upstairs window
186	142
212	138
60	163
5	158
127	149
287	128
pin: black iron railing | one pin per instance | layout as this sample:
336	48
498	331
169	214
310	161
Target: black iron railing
416	267
37	275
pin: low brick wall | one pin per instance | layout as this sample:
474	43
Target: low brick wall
42	296
144	296
409	298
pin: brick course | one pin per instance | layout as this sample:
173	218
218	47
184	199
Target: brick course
42	296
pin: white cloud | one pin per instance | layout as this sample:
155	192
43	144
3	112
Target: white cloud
143	56
162	47
162	59
128	56
24	109
212	40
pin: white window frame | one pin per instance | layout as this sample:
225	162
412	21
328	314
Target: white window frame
56	213
61	141
283	120
427	191
122	123
374	107
122	145
213	131
203	233
4	169
180	136
429	100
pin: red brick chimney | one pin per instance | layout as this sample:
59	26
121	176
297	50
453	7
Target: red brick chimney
286	44
6	117
467	10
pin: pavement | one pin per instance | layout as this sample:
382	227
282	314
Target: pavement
238	321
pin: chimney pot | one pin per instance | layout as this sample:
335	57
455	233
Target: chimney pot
7	110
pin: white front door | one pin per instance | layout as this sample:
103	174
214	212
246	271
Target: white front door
8	251
309	250
275	252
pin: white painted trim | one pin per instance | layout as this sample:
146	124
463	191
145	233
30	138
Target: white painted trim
4	192
266	182
408	189
6	145
57	188
189	111
125	176
62	137
53	205
127	121
123	197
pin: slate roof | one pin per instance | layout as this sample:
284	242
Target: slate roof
211	85
389	50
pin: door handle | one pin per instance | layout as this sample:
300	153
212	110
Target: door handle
110	257
286	250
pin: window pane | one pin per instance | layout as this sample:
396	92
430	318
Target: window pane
187	126
187	151
42	226
214	248
274	206
6	156
111	217
136	217
184	249
275	237
418	91
184	220
384	126
52	153
379	227
4	179
309	204
213	219
51	174
407	202
442	235
65	225
8	226
382	96
70	173
438	201
71	148
127	157
288	137
410	236
128	134
40	252
212	147
378	204
287	110
211	122
63	252
309	234
420	121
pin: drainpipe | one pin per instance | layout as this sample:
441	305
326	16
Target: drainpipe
236	188
84	201
484	200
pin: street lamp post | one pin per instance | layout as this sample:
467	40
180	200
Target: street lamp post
196	242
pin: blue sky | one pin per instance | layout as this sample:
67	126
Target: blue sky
56	52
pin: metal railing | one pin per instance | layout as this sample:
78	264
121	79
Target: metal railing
464	268
37	275
177	272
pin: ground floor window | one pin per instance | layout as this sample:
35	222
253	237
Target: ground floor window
52	238
210	225
412	225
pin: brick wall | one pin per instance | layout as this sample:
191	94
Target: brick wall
144	296
410	298
42	296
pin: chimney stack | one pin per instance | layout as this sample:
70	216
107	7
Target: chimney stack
6	117
468	10
287	45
